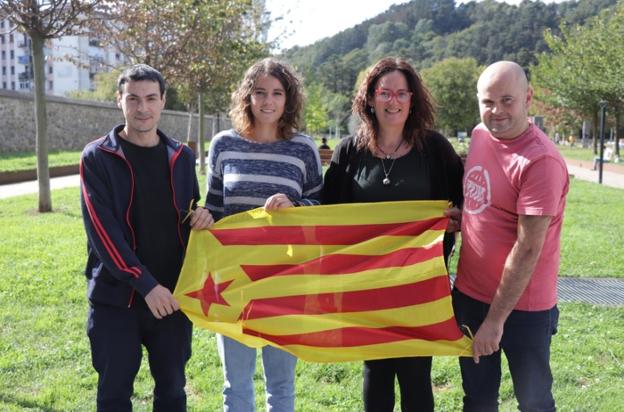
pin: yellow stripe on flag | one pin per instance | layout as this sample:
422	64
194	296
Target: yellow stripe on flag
326	283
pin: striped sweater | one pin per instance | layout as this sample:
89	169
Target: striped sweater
243	174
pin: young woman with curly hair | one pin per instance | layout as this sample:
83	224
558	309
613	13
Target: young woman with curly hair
263	161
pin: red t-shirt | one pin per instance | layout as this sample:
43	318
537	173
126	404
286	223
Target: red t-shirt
502	180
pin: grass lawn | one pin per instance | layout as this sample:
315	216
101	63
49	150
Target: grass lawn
44	354
27	160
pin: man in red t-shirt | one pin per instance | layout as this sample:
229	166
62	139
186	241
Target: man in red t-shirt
515	183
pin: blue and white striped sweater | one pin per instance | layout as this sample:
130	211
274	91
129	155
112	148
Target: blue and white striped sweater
243	174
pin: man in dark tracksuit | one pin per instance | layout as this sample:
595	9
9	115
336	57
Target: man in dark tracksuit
138	191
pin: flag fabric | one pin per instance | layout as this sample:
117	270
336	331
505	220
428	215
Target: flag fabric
326	283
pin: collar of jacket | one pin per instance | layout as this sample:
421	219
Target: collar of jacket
110	142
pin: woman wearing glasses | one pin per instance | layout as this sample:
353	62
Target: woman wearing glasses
262	161
395	156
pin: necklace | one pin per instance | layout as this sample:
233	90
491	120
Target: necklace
386	181
390	155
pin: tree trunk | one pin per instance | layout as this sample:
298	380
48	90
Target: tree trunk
617	134
200	134
214	126
43	172
595	133
190	140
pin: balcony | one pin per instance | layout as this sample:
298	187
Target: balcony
24	77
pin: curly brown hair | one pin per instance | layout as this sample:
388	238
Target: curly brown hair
240	109
422	112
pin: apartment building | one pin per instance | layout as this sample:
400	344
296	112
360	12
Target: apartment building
71	62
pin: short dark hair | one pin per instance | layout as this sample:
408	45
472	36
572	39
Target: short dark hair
140	72
422	112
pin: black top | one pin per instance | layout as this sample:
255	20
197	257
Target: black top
408	178
440	165
153	215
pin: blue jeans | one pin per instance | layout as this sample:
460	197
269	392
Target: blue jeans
239	364
526	343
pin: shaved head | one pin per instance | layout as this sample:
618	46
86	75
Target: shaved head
504	99
504	71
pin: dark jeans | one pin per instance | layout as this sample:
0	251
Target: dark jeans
526	343
414	375
116	336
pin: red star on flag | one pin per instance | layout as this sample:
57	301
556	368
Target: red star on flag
210	293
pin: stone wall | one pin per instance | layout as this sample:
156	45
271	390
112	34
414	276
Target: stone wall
73	123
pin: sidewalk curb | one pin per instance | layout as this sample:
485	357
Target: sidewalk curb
19	176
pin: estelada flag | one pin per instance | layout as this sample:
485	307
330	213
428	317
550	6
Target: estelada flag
326	283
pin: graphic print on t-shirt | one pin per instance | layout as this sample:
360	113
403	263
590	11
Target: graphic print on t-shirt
477	191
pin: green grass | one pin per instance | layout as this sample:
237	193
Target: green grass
44	353
28	160
592	242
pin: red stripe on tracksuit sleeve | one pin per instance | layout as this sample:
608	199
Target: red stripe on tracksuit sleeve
357	301
340	264
103	235
360	336
323	235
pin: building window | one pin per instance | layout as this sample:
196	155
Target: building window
12	85
1	38
11	38
12	69
12	54
4	71
117	56
3	55
4	85
50	70
50	85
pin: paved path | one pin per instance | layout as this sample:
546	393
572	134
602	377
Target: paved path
24	188
577	169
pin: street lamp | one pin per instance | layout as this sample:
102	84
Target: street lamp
603	109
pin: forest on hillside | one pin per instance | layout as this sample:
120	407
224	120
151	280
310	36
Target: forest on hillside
427	32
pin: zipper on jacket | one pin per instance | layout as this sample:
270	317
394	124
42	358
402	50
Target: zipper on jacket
173	193
121	156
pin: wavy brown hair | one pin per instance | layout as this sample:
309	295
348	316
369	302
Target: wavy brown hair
422	113
240	109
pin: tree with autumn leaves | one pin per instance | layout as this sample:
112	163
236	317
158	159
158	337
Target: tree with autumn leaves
201	46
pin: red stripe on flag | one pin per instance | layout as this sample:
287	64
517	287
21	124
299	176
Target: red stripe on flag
323	235
357	301
340	264
359	336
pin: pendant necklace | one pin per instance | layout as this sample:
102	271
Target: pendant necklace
386	181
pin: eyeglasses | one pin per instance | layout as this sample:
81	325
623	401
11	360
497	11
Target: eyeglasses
385	95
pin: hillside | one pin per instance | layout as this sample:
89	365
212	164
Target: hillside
427	31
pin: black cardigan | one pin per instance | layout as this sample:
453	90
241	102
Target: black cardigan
445	169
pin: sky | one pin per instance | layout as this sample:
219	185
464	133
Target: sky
307	21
